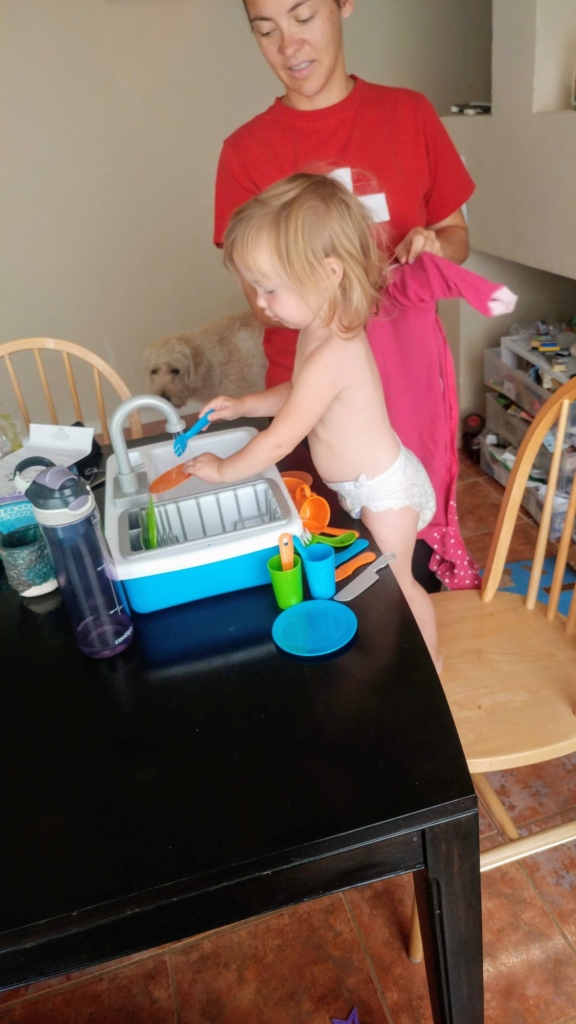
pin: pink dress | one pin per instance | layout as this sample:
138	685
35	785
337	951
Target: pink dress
411	352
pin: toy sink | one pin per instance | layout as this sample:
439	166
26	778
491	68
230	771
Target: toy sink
213	539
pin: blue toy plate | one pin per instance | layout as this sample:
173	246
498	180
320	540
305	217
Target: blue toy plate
312	628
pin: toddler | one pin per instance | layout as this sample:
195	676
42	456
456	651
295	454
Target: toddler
306	245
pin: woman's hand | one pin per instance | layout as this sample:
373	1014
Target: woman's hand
447	238
206	467
417	241
222	408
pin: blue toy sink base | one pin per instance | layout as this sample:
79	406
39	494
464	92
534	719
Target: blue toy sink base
152	593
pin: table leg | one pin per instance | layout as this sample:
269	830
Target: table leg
448	897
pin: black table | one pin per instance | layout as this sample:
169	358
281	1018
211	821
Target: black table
203	777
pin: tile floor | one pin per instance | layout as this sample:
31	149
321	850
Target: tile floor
318	960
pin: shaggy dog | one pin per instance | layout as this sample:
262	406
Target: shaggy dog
224	357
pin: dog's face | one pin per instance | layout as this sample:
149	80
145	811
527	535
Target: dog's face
173	370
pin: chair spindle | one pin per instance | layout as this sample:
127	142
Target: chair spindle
543	532
72	386
46	387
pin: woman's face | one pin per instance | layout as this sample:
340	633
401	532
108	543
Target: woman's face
302	42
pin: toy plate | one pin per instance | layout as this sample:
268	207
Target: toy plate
172	478
313	628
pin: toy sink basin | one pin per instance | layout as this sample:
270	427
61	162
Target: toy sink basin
213	539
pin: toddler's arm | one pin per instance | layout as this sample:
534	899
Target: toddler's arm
259	403
317	384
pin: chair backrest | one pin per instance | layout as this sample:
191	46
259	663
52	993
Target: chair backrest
557	413
67	348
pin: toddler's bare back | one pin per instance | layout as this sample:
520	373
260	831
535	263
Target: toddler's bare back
353	434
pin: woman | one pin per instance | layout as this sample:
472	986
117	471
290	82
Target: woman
417	185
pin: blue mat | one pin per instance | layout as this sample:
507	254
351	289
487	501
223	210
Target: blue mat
519	573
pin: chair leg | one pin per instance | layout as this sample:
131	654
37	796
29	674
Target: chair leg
495	806
415	950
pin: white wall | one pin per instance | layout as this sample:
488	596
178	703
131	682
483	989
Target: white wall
555	54
523	213
524	207
439	47
111	120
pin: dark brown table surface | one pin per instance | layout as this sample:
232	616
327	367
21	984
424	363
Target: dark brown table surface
204	776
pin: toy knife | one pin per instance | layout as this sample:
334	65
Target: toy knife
365	579
349	567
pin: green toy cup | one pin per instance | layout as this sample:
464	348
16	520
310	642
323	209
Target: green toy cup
287	585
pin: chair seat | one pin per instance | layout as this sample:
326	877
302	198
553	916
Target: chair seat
510	679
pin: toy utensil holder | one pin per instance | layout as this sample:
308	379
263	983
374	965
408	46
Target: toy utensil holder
65	509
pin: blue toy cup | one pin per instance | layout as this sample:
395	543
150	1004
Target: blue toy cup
320	568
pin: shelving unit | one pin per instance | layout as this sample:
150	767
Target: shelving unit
505	372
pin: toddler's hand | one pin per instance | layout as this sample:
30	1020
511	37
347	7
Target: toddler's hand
223	408
206	467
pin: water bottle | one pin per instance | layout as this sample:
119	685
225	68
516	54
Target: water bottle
66	511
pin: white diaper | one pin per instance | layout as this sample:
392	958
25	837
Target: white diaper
405	483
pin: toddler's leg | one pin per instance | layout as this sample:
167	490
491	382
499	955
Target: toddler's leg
395	530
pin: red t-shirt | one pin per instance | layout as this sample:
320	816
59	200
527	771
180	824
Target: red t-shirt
415	173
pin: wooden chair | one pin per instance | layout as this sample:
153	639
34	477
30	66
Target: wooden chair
510	662
67	348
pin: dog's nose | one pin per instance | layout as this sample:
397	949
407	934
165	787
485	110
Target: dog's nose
170	398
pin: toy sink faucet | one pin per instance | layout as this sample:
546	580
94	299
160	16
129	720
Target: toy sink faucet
130	483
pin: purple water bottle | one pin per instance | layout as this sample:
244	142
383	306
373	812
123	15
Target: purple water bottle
65	508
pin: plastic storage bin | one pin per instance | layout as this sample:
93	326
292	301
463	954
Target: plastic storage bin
520	346
532	501
512	382
511	428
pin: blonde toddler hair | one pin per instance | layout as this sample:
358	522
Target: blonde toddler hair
299	223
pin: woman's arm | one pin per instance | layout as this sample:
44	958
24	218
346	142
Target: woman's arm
448	238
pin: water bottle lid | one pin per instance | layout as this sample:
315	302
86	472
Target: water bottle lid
55	487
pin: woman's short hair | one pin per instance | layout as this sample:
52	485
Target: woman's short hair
294	227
